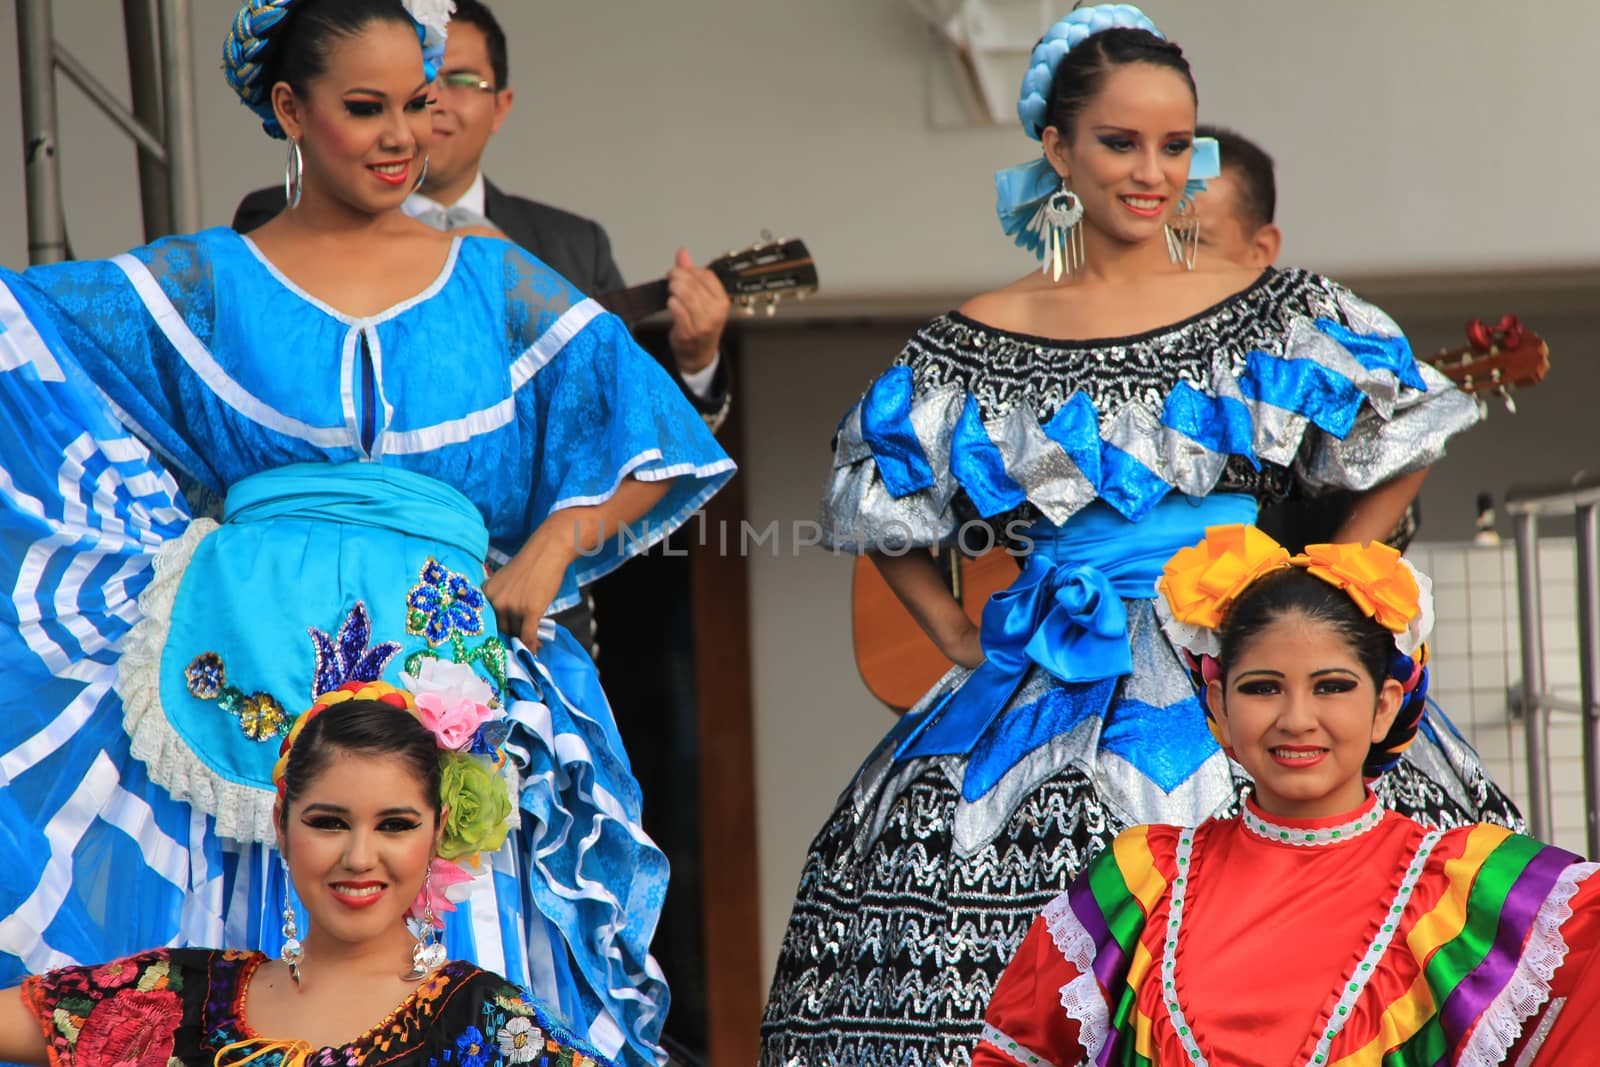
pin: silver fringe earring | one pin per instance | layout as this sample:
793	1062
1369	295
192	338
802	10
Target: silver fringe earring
291	953
1183	234
1057	224
429	954
293	175
422	175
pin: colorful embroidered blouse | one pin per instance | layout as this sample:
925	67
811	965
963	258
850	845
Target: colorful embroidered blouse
182	1006
1261	942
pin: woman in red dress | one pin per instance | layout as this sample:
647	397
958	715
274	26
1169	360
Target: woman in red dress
1316	927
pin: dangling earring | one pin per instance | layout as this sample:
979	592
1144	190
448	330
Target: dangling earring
291	952
293	175
429	954
1183	234
422	175
1057	224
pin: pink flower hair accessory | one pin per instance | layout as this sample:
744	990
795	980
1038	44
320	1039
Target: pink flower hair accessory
434	899
452	701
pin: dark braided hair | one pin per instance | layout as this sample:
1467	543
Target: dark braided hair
1083	70
272	41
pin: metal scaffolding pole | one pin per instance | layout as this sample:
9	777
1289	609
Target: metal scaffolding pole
1534	707
1589	665
182	125
47	236
144	80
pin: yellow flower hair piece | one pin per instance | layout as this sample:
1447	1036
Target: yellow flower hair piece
1200	583
1375	577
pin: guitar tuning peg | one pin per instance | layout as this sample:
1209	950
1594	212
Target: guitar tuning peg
772	305
1505	397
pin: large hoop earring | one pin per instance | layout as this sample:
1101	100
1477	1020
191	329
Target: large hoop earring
294	172
422	175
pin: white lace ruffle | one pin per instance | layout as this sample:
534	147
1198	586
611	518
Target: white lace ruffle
1013	1048
1529	986
1081	997
243	813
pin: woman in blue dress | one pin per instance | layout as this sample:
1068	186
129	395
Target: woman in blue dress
386	411
1095	418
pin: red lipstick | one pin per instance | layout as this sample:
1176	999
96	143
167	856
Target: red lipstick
357	894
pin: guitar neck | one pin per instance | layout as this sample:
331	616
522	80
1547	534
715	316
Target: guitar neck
636	302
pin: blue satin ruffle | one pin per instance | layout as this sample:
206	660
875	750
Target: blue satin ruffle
886	424
1203	424
1065	613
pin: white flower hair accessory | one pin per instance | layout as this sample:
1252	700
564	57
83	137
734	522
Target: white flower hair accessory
433	25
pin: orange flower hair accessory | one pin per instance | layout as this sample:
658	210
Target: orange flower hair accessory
1382	584
1200	583
382	692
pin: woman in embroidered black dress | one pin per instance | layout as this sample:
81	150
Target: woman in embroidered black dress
368	802
1097	419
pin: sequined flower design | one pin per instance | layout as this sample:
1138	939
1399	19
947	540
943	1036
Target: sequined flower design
205	676
261	715
444	605
349	655
520	1040
131	1029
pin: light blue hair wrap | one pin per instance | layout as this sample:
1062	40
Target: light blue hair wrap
257	20
1023	189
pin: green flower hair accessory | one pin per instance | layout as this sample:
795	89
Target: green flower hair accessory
478	806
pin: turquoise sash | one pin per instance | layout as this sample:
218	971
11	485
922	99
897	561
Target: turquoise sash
318	571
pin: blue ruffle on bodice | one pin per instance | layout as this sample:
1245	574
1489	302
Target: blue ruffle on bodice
1346	408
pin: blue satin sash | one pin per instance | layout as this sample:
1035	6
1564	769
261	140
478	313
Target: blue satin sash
1065	613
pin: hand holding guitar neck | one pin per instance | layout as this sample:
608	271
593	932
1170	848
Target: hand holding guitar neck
760	275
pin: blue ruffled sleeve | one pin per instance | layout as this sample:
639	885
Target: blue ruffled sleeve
600	410
1301	374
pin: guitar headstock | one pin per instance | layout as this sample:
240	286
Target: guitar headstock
766	273
1496	358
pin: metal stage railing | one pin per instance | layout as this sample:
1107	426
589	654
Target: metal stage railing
1579	500
162	122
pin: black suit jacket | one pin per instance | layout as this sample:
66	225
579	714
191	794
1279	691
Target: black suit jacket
574	247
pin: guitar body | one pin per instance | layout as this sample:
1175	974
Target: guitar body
898	661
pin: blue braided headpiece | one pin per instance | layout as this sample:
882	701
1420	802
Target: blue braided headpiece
256	21
1023	189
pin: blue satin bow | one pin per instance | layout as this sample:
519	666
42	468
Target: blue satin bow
1068	618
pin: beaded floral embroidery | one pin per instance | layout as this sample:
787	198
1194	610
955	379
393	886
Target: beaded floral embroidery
261	716
444	606
349	655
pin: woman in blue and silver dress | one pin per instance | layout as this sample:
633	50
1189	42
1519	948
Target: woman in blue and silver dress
1097	418
384	409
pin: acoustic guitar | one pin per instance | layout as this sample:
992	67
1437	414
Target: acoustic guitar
899	662
758	276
